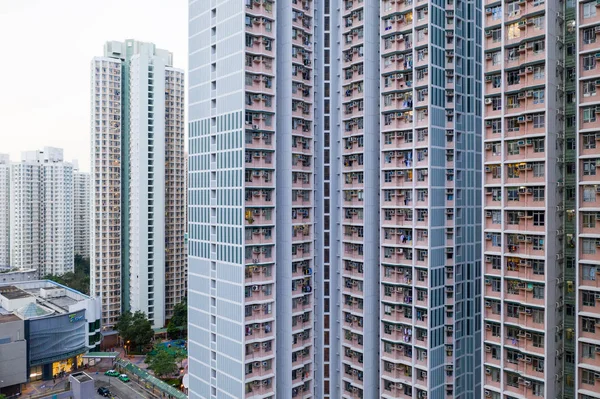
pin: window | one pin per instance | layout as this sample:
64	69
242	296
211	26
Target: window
512	147
538	97
588	351
538	267
512	101
589	141
538	339
538	121
538	22
538	218
589	36
496	13
538	316
538	194
513	78
589	62
588	298
589	167
513	31
496	285
589	88
539	46
538	145
496	126
589	9
538	245
496	58
496	35
588	272
588	325
497	103
587	377
538	169
538	72
589	194
588	246
589	220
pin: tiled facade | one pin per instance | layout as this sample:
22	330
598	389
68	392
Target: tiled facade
524	214
41	212
81	213
332	143
175	190
138	244
4	210
105	240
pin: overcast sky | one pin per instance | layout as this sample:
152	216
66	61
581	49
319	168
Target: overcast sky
47	46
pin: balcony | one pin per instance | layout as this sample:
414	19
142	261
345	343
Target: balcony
259	313
259	64
399	6
258	331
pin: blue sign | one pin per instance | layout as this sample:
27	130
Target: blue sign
73	318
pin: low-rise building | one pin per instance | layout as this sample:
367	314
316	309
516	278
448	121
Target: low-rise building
12	274
13	354
60	325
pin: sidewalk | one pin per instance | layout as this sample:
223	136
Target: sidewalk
44	387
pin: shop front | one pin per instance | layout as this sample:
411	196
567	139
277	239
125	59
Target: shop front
56	345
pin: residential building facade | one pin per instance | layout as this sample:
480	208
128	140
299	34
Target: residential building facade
308	119
137	150
81	213
525	260
4	210
41	212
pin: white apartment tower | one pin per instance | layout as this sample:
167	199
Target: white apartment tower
4	210
138	181
41	212
81	213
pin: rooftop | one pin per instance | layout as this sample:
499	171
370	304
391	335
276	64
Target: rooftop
7	318
81	377
12	292
46	297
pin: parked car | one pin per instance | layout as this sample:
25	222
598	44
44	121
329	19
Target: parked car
103	391
124	378
112	373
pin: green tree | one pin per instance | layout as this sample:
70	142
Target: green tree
162	361
2	396
179	318
79	279
135	329
172	330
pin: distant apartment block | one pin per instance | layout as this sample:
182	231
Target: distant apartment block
4	210
41	212
81	213
137	248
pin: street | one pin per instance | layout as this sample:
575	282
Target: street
119	389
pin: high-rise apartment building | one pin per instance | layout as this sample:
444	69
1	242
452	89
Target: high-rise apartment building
137	247
4	210
81	212
525	217
41	212
336	145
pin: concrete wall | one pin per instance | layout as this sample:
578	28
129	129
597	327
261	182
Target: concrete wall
13	352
